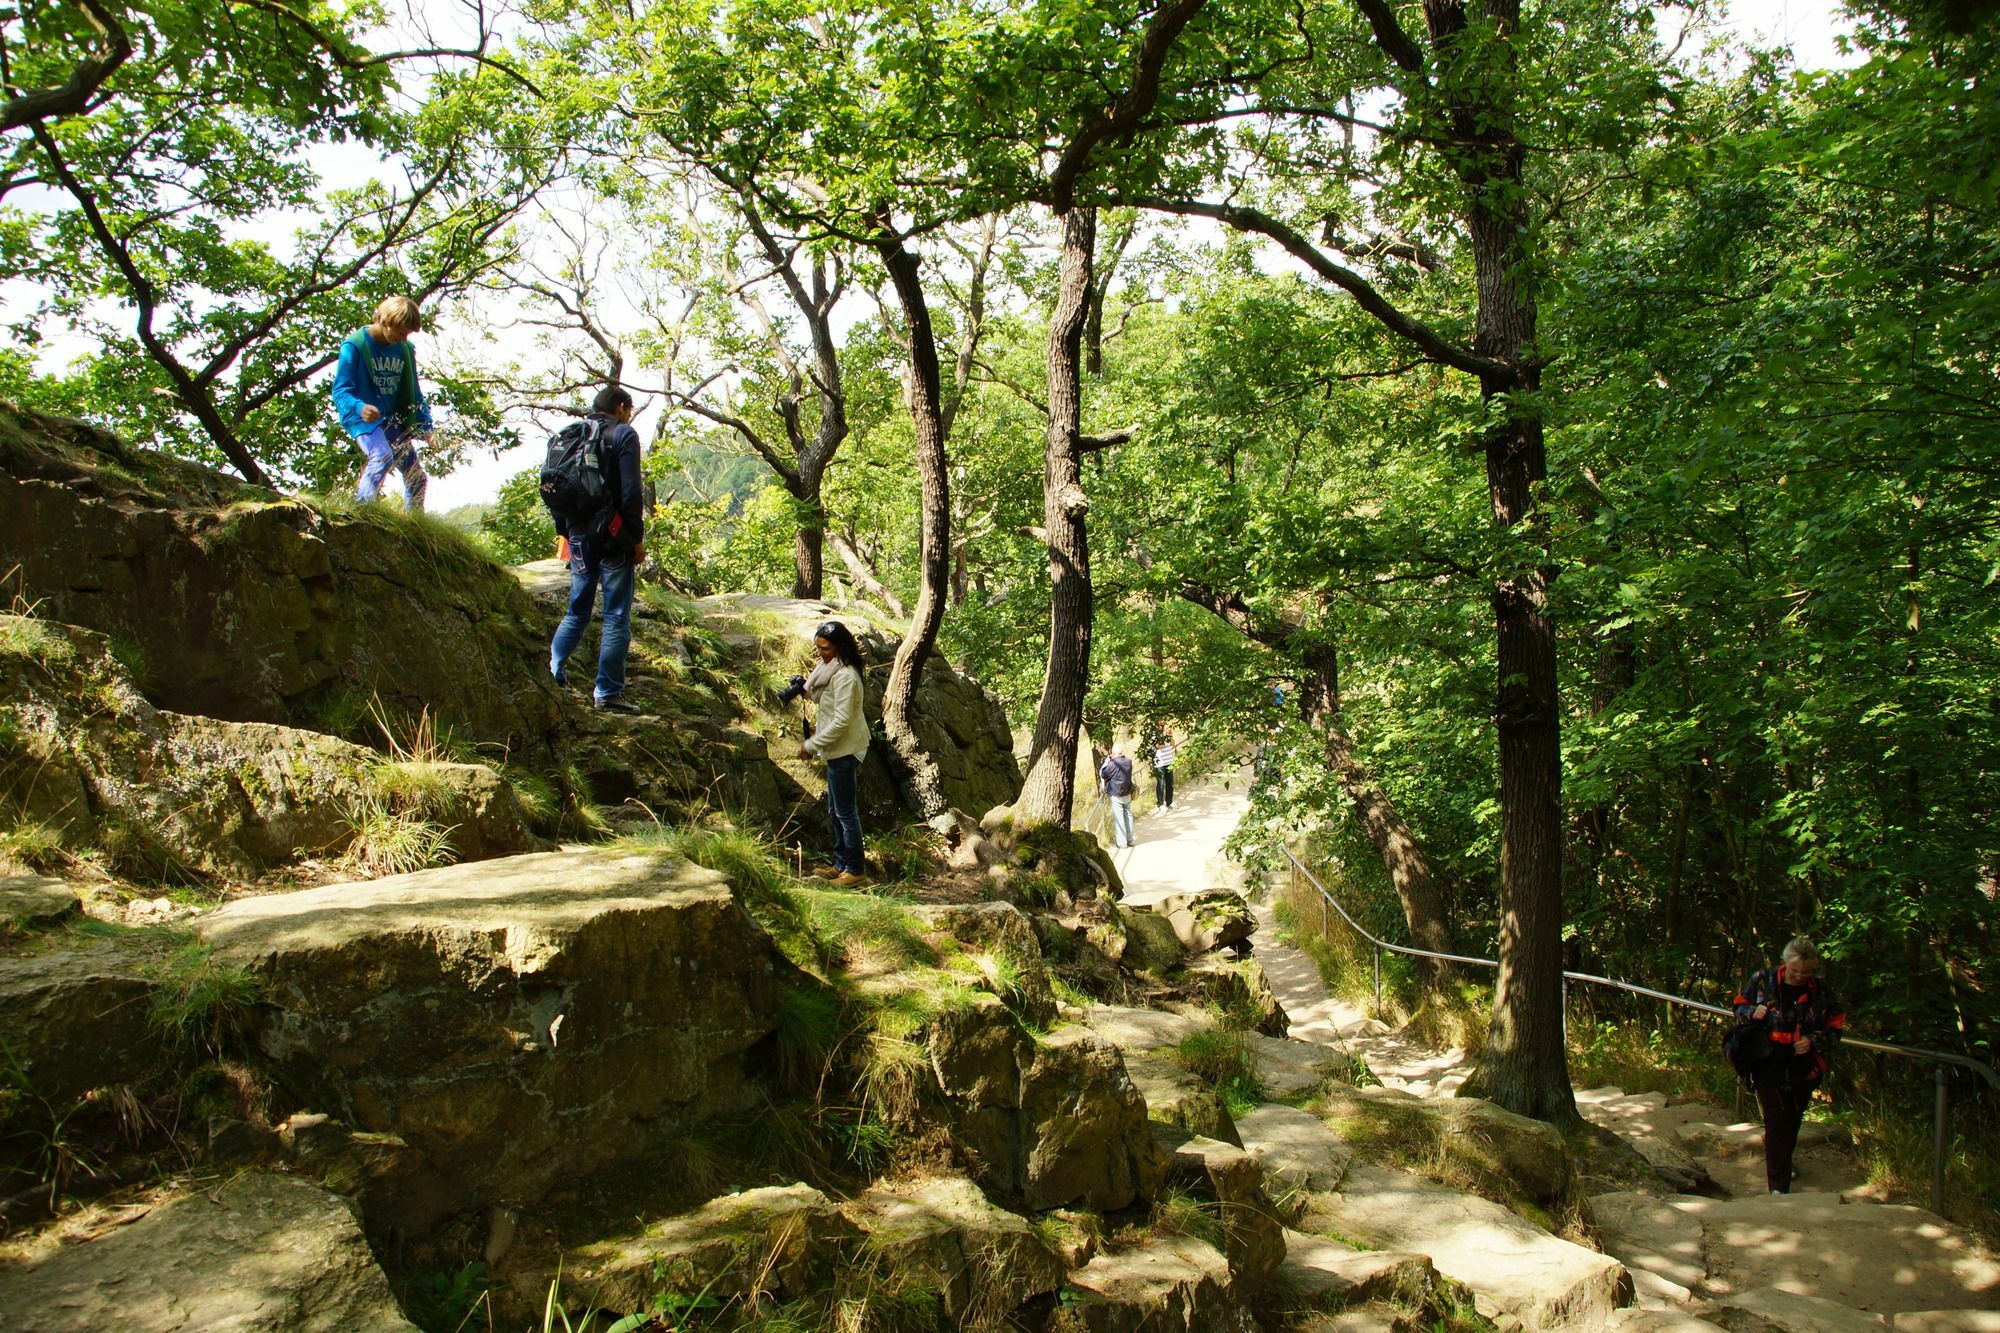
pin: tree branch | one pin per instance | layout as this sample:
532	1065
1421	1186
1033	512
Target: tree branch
73	96
1427	340
1128	113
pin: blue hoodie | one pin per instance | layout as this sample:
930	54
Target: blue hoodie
384	375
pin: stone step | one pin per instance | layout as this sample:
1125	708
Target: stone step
1326	1273
1879	1258
262	1253
1299	1155
1512	1267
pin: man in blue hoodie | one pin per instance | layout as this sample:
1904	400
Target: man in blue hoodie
381	405
607	555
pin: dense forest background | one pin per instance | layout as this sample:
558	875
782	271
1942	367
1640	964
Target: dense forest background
1382	376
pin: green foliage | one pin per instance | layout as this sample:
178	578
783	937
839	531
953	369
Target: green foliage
386	841
446	1301
518	528
1221	1059
201	1004
34	845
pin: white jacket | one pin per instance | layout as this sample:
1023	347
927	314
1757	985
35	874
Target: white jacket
841	727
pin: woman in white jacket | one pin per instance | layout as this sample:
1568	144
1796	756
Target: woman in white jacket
840	738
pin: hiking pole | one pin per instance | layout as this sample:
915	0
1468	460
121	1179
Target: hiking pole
1942	1077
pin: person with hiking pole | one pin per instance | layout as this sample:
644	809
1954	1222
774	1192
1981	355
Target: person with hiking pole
380	402
1802	1021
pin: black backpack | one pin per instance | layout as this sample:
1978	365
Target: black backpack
574	485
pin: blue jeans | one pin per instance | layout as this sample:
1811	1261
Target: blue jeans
843	802
587	571
387	446
1121	821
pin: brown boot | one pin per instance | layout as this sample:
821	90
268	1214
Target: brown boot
825	872
849	880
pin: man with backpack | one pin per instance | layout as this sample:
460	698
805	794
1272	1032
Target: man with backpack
592	487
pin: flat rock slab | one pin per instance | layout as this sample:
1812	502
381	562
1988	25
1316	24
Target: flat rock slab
36	902
1649	1234
1327	1273
1174	1284
1512	1267
1946	1321
1635	1320
1299	1154
1881	1258
263	1253
1771	1310
516	1022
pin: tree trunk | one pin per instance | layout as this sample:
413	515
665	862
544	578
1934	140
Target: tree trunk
1525	1067
866	579
1424	911
808	554
922	784
1050	786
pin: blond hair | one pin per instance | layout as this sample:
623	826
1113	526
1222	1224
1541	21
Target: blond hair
1802	952
399	312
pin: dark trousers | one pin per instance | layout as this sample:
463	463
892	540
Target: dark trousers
1163	787
1784	1108
843	803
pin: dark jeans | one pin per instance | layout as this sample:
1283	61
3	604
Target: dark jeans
1784	1108
586	572
1163	787
843	802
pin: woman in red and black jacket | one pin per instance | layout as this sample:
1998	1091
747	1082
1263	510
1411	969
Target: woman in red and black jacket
1803	1021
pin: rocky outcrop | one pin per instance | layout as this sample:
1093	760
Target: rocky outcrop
1231	1180
1511	1156
36	902
1239	989
1150	943
255	608
782	1242
514	1022
944	1236
1001	937
75	1019
1048	1122
166	795
262	1253
1209	919
1172	1284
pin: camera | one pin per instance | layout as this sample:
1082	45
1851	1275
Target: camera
793	690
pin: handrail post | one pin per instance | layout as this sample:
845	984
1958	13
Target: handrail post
1322	916
1378	982
1565	1008
1943	1079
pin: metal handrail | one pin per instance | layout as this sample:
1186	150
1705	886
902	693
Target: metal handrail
1938	1058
